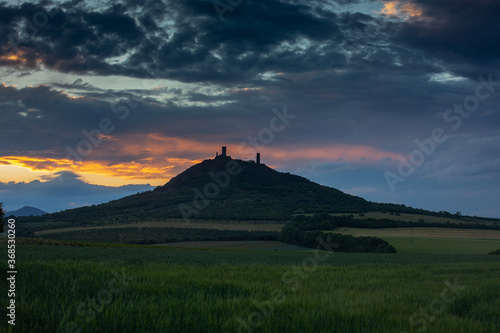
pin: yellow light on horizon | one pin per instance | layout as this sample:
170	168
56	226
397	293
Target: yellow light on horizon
18	174
26	169
104	180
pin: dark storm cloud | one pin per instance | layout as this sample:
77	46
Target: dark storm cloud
186	40
341	108
43	121
71	40
457	32
38	118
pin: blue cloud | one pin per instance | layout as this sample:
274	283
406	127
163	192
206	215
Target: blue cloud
62	191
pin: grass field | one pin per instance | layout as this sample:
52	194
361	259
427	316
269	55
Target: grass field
163	289
403	217
170	224
151	235
434	245
423	232
239	245
433	240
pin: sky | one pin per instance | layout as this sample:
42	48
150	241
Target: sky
394	101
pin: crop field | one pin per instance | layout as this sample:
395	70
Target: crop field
238	245
423	245
135	288
404	217
433	240
46	224
169	224
151	235
479	234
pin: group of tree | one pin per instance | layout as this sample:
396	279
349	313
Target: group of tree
325	221
293	233
1	216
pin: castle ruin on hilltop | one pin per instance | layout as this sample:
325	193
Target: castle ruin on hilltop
224	155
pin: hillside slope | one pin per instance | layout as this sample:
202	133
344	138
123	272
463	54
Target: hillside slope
26	211
221	188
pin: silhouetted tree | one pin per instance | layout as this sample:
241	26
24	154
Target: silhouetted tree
1	216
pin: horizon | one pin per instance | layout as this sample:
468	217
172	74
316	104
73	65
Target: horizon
378	99
225	153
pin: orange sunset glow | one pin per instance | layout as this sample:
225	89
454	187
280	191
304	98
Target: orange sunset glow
99	172
401	9
354	154
20	57
157	170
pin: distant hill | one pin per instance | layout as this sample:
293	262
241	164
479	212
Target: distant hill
26	211
225	188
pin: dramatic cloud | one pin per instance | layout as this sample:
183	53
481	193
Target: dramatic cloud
460	34
129	92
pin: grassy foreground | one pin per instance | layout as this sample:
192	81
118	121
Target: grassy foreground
146	289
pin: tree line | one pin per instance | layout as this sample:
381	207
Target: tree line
305	235
325	221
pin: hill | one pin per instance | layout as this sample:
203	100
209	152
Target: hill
226	188
26	211
221	188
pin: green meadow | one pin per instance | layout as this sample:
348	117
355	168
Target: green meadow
422	245
132	288
433	240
